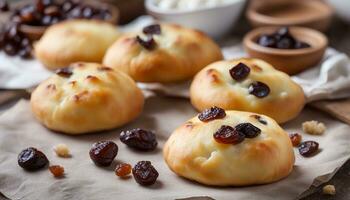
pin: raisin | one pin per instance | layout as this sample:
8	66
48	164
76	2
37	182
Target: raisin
139	139
248	130
228	135
144	173
148	43
283	32
260	119
240	71
308	148
267	41
123	170
211	114
301	45
32	159
103	153
153	29
259	89
56	170
64	72
285	43
295	138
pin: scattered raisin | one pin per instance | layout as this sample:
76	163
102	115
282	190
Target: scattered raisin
267	41
308	148
123	170
295	138
301	45
153	29
260	119
103	153
239	72
228	135
147	43
32	159
57	170
259	89
211	114
139	139
64	72
248	130
144	173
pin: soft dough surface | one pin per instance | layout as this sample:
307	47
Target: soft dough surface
213	86
179	54
92	98
74	41
192	152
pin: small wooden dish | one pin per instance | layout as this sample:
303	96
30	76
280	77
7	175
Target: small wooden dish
291	61
313	14
35	32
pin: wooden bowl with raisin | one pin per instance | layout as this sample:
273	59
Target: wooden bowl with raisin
290	50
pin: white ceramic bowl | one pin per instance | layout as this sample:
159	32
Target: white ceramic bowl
342	8
215	21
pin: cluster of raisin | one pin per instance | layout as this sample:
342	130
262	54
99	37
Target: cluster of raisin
307	148
212	114
235	135
240	72
148	42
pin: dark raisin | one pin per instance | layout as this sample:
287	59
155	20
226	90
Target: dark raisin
103	153
153	29
144	173
259	89
57	171
211	114
64	72
283	32
248	129
123	170
267	41
295	138
139	139
4	6
10	49
301	45
148	43
32	159
87	12
285	43
228	135
260	119
239	72
26	53
308	148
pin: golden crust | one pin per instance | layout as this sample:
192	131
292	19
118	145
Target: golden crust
93	98
179	54
74	41
213	86
192	152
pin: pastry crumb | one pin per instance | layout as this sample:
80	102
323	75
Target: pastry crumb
62	150
314	127
329	189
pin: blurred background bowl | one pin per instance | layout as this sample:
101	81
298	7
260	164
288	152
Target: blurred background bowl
215	21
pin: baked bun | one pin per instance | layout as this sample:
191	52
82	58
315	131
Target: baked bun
73	41
162	53
235	149
86	97
248	85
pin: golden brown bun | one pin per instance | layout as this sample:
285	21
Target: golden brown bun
213	86
73	41
179	54
92	98
192	152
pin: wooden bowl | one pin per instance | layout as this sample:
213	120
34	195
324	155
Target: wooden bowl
35	32
291	61
309	13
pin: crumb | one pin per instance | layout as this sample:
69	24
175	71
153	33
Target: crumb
314	127
57	170
62	150
329	189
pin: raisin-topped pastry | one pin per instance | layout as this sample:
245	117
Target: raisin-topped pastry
233	149
86	97
247	84
75	41
162	53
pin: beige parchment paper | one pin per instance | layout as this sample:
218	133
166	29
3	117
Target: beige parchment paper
85	181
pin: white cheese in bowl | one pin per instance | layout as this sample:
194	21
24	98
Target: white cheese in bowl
189	4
